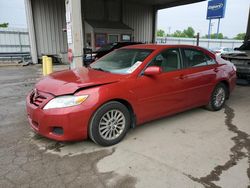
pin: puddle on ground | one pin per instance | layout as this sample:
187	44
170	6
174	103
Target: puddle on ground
240	150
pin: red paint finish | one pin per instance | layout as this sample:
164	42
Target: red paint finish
153	95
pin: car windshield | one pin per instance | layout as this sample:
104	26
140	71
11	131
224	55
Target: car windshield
123	61
106	47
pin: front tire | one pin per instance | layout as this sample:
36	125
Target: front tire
109	124
218	97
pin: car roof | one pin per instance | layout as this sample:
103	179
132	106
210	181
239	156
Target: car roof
161	46
124	42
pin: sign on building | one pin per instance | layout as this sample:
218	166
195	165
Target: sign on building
216	9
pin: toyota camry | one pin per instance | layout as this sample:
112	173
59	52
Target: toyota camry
126	88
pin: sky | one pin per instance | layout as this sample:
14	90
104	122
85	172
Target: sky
171	19
13	12
194	15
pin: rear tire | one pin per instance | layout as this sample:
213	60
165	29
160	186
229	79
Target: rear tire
218	97
109	124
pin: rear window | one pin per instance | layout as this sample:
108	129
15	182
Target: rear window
196	58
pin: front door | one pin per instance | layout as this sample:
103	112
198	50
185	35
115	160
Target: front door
165	93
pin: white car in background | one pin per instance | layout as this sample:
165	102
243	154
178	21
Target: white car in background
222	50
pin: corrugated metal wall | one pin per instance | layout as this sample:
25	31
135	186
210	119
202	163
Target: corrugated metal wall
101	10
93	9
114	10
49	21
140	18
137	16
14	40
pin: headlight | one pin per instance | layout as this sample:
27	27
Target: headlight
65	101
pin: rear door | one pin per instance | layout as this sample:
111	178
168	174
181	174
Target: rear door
201	70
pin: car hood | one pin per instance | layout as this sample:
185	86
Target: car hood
235	53
69	81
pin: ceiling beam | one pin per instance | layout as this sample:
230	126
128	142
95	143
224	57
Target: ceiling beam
176	3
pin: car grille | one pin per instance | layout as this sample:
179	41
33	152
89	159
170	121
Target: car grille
39	98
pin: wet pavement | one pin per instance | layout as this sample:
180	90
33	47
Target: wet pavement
196	148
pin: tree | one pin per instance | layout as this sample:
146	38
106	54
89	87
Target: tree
214	36
160	33
186	33
189	32
240	36
178	33
4	25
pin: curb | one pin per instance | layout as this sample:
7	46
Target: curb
11	65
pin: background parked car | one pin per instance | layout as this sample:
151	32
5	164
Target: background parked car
241	59
221	50
91	57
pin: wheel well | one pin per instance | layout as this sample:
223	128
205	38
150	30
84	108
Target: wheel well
227	86
131	111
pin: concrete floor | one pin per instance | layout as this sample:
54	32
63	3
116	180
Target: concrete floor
196	148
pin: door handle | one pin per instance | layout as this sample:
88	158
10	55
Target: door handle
182	77
216	70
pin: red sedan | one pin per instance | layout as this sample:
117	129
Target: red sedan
125	88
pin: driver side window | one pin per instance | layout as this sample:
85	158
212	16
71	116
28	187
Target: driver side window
168	60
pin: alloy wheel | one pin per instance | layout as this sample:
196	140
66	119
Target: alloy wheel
112	124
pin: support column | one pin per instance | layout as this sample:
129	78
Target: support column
31	29
154	29
75	31
248	28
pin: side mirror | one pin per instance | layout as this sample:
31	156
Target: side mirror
236	49
153	70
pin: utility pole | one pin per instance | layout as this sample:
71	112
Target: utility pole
169	30
198	39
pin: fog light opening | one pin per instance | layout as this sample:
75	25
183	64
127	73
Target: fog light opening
57	130
34	123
